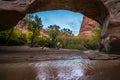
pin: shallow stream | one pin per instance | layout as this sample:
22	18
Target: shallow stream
76	69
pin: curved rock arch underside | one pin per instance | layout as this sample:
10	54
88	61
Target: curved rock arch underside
106	12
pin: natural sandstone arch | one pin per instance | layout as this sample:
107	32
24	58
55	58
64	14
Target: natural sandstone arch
11	11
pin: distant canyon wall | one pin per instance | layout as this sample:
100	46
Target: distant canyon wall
87	27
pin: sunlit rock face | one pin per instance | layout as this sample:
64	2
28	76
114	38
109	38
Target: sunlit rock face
87	27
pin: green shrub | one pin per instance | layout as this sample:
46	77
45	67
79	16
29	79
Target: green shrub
76	46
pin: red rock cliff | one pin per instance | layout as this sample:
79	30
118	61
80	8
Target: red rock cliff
88	25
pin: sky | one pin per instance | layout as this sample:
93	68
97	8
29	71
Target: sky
62	18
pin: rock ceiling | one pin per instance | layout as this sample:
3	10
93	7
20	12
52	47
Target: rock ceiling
11	11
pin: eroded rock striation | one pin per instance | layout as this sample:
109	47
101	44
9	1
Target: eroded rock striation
113	28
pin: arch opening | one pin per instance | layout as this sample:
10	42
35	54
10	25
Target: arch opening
70	34
87	7
100	13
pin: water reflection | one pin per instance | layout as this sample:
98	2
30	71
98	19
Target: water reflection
17	71
77	69
59	70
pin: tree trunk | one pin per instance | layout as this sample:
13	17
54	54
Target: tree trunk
10	34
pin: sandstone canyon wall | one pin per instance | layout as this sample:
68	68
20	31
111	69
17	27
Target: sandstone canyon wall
87	27
113	28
